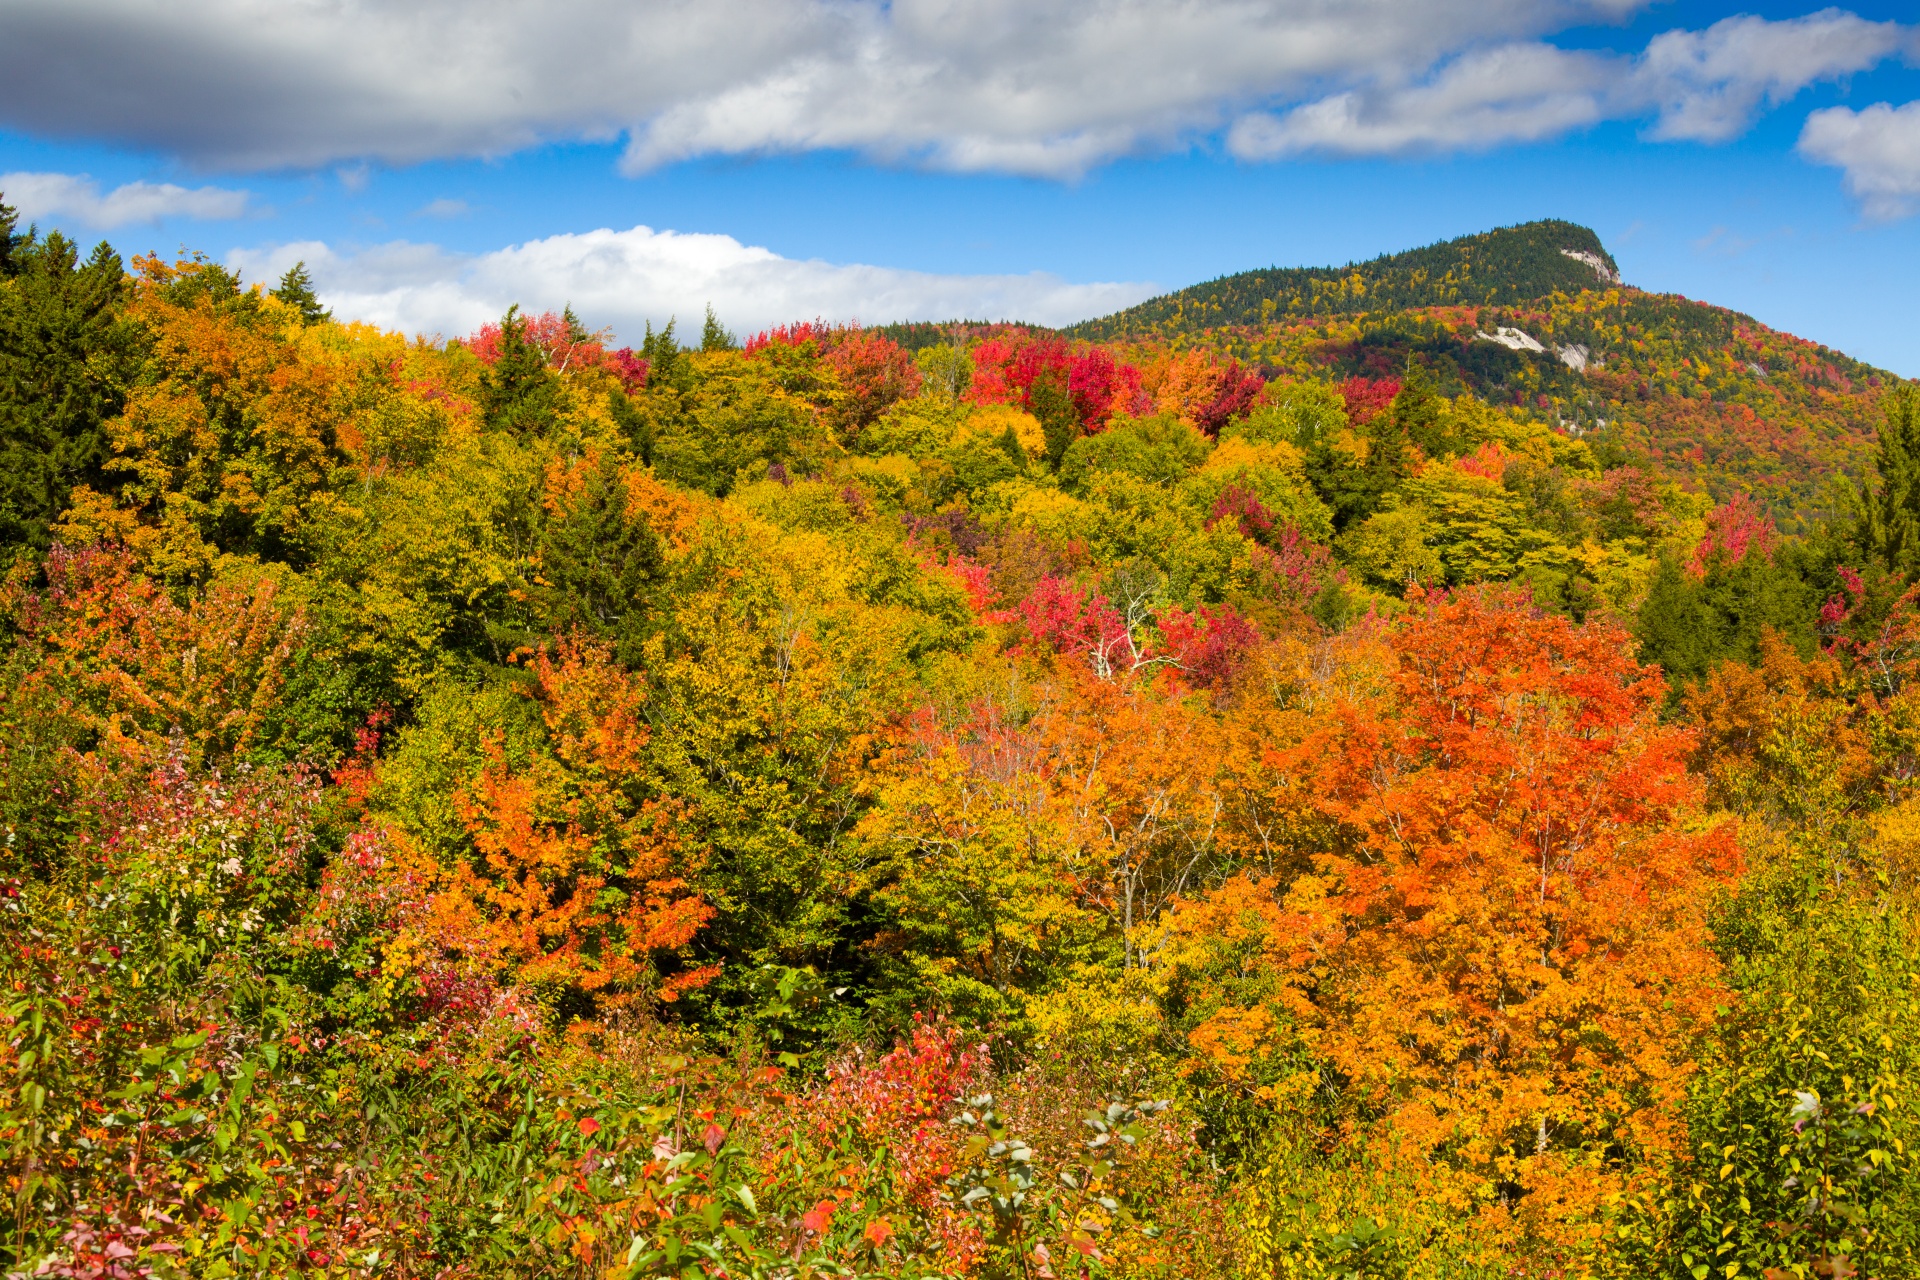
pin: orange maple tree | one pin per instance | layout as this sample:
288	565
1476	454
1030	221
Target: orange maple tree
573	887
1500	948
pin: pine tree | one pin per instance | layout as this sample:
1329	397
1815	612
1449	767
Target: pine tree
1353	492
67	355
1011	446
1417	415
1050	401
598	562
9	240
296	290
713	336
519	394
1890	526
661	351
634	423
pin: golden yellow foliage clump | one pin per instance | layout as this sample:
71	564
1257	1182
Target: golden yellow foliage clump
993	420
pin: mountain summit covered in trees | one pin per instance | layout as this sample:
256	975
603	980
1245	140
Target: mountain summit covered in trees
1511	265
1397	771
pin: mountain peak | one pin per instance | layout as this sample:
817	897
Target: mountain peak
1502	266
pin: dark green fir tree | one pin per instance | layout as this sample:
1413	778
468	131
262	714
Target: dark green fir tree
67	355
1050	401
1890	523
296	290
714	336
519	393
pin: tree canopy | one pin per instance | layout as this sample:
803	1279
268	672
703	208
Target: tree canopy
801	805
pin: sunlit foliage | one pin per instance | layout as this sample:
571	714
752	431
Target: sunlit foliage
960	802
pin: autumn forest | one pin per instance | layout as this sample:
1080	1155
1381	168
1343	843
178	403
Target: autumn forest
1404	770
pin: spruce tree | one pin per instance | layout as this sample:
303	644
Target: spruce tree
1352	492
598	563
67	355
713	336
1418	414
634	422
1011	446
1890	526
296	290
519	393
661	351
9	219
1049	400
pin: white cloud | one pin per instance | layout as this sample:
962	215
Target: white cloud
1709	84
1878	149
627	279
1045	87
1515	93
1702	86
41	196
1033	86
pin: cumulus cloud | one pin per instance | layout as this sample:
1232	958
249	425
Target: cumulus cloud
1034	86
1710	84
1878	150
1702	86
77	196
1046	87
1515	93
628	279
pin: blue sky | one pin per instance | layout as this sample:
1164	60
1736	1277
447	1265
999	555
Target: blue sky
1042	160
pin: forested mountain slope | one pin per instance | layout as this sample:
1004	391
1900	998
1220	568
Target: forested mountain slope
1502	267
1022	807
1710	395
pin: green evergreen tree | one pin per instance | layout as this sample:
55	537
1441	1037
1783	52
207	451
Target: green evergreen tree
1418	416
597	563
519	393
1351	491
1011	446
9	239
296	290
713	336
1050	401
1689	622
1890	526
635	423
661	351
67	355
1354	492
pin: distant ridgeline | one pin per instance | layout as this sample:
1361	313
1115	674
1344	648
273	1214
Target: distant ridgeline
1509	265
918	335
1536	317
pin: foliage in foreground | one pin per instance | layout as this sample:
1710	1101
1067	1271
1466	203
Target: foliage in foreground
515	807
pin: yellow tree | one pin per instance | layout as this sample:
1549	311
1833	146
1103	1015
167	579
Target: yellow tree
230	436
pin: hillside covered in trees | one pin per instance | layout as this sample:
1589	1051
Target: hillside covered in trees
1495	268
1289	800
1535	317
